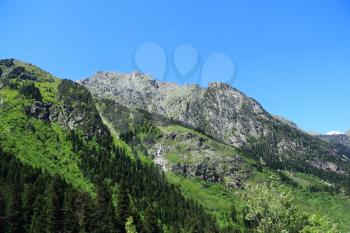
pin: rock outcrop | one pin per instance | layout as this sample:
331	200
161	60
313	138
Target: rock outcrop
339	141
220	111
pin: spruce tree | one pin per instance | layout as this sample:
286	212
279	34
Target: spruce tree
151	224
233	213
2	212
70	222
38	222
105	210
28	202
123	208
14	217
54	207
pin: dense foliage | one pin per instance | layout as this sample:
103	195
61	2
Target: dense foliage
76	177
61	170
269	211
263	150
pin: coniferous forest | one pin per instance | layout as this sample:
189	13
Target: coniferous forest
65	169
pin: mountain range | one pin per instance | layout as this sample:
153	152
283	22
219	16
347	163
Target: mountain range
127	153
340	141
223	113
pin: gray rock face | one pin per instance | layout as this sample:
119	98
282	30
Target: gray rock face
77	110
190	154
337	139
340	141
287	122
40	110
220	111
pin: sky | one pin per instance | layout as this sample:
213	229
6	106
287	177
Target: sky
291	56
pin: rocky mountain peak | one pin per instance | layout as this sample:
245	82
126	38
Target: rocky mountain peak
219	85
219	111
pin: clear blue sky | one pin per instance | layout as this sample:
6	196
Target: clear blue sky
292	56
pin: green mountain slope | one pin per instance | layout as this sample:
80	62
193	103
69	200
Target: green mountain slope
228	115
57	153
71	163
216	174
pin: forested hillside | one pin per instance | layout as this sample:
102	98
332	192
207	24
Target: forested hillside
61	169
71	163
221	177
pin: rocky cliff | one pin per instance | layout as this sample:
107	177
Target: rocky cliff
223	113
339	141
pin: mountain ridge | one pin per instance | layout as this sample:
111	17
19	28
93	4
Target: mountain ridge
89	159
58	156
222	112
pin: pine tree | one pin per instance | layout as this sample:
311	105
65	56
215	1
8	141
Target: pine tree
2	212
151	224
105	210
14	216
28	202
38	222
54	207
88	217
233	213
123	208
70	222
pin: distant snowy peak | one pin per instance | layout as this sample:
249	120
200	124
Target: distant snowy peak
332	133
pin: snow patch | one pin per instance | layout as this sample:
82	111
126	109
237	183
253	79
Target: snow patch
332	133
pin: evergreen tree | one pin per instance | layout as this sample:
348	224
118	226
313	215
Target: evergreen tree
14	216
105	210
233	213
2	212
151	224
123	208
38	223
88	217
54	207
28	202
70	222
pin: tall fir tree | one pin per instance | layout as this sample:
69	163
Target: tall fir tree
70	221
2	212
105	216
14	218
151	224
38	222
54	206
123	208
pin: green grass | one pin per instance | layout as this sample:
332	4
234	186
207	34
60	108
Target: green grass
180	129
36	143
173	157
36	71
304	180
215	198
48	90
334	207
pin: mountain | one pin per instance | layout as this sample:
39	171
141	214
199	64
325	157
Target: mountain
62	171
340	141
216	143
226	114
332	133
75	160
